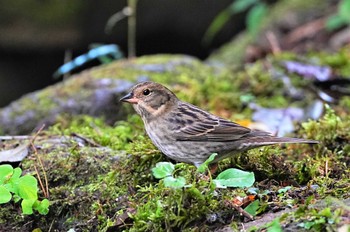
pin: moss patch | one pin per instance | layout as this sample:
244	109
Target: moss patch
100	174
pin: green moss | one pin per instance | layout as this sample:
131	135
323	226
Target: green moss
100	175
344	104
85	182
328	129
339	61
117	137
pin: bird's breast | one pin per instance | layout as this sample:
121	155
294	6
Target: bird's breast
159	133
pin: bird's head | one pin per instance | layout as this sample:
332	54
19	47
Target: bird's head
150	99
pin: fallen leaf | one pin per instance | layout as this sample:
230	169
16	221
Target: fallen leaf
14	155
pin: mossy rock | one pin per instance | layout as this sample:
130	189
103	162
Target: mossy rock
100	179
98	160
97	91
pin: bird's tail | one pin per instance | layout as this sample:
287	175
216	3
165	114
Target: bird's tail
271	140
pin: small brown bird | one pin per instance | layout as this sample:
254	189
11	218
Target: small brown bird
189	134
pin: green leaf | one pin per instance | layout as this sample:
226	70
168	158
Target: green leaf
234	178
6	171
255	16
42	206
16	198
27	206
5	195
221	19
172	182
241	5
344	10
307	225
16	173
12	184
195	193
334	22
105	59
28	187
253	190
275	226
326	212
252	208
216	25
204	166
163	169
284	189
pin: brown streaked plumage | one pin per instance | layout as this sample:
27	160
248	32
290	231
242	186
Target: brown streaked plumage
189	134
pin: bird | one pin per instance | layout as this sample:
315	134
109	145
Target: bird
185	133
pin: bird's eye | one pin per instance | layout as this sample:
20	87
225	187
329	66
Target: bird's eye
146	92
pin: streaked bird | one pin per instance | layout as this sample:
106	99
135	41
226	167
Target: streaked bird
188	134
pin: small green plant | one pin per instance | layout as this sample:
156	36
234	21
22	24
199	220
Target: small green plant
283	190
320	219
253	208
205	166
164	170
274	226
229	178
17	187
341	18
257	10
233	177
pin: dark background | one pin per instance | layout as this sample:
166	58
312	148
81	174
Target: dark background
34	35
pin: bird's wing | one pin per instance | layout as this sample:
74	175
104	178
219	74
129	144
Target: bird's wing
193	124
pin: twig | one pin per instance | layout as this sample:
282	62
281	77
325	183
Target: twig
89	141
51	224
275	47
30	222
115	18
243	227
308	30
45	190
68	56
15	137
243	212
132	4
40	181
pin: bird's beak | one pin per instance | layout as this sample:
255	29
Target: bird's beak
129	98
